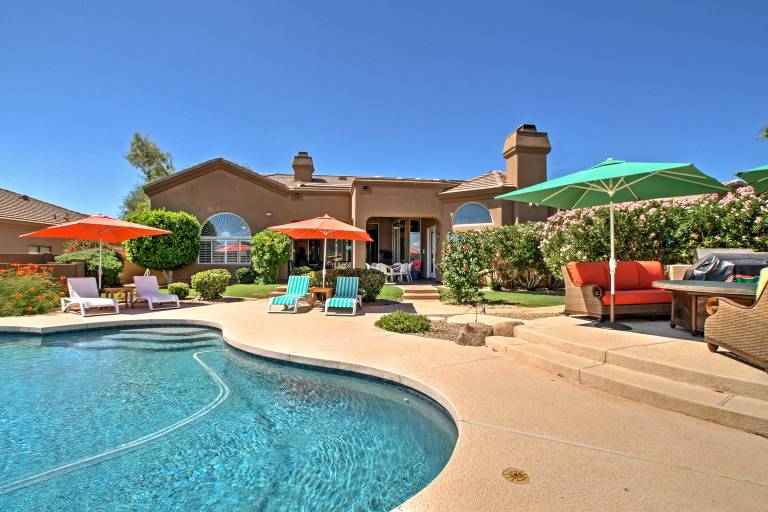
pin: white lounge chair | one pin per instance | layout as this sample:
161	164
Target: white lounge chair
148	290
84	292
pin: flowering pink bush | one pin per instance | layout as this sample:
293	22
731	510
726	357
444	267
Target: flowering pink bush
669	230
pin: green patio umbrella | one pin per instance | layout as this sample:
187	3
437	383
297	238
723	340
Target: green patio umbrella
617	181
757	177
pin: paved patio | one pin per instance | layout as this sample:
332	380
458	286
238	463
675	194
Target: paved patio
583	449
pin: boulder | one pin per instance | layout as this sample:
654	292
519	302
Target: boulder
506	328
473	334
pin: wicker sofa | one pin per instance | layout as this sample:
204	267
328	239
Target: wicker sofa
587	289
741	329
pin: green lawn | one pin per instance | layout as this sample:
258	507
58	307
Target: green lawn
390	293
517	298
525	299
249	291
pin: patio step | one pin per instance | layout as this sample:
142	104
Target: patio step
744	413
420	292
694	364
739	400
550	360
280	290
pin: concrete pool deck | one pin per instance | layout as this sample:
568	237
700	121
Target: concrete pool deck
584	449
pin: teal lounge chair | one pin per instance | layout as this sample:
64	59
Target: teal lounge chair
345	296
298	289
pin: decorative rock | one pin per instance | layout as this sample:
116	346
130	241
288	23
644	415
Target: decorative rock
473	334
506	328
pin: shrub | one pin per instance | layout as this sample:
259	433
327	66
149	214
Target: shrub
246	275
668	230
466	260
111	264
28	290
400	321
210	284
181	290
301	271
516	257
370	284
165	252
269	250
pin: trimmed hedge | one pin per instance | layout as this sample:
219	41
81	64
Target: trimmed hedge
301	271
400	321
211	284
181	290
165	252
246	275
111	266
371	280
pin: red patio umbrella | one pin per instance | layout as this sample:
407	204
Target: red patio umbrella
234	248
98	227
323	228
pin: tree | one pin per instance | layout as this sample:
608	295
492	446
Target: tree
165	252
153	163
269	250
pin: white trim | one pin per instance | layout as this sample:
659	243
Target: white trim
212	239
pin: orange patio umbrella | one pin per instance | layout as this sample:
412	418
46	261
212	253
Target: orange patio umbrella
323	228
98	227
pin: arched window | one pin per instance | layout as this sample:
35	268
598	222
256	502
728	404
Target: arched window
225	238
472	213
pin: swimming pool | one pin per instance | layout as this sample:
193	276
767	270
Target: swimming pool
171	418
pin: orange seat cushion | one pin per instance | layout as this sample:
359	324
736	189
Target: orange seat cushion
627	276
585	273
648	272
630	297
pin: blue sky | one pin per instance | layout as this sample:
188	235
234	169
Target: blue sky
426	89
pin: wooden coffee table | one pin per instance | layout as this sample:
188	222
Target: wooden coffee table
686	295
325	292
127	292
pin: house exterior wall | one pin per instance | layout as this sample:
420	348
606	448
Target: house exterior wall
219	191
10	243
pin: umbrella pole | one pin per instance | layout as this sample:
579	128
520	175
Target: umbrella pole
325	246
612	264
100	242
612	268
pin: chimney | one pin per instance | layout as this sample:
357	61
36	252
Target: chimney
302	167
525	151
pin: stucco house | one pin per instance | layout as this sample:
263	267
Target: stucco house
406	217
19	214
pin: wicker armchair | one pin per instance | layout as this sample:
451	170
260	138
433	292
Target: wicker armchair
741	329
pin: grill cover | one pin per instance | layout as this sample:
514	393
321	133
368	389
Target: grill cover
720	266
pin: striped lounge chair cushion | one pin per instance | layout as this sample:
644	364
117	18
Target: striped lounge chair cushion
341	302
286	300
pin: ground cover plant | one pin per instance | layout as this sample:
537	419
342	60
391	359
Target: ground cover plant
403	322
28	290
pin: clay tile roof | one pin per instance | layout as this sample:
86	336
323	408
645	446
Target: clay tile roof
491	179
19	207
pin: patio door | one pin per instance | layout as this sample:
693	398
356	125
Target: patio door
431	252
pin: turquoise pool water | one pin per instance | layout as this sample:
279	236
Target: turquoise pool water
172	419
